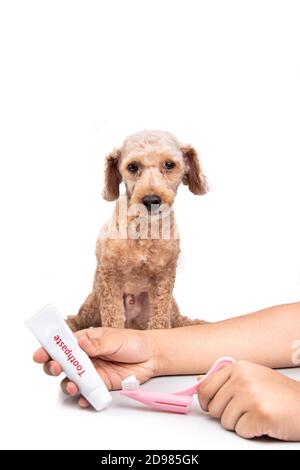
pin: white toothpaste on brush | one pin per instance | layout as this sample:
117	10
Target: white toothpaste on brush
58	340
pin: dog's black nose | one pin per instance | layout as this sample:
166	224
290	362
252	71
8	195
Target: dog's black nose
151	200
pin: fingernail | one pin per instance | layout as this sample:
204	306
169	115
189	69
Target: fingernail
86	339
92	335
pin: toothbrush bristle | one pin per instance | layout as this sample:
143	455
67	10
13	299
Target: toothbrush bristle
130	384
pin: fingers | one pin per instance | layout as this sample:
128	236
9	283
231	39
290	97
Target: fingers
83	403
228	396
232	413
220	401
211	385
249	426
52	368
69	388
40	356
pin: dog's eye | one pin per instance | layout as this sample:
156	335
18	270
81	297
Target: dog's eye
132	167
169	165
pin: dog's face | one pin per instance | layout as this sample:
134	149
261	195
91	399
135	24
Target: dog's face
152	164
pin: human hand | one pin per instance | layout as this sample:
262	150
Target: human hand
115	353
253	401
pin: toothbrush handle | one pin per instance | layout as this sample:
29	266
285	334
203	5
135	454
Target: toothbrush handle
218	365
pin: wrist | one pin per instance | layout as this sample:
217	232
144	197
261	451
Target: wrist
157	345
176	351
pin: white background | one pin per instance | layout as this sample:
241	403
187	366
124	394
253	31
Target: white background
76	78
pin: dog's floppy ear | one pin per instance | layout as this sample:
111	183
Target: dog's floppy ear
112	177
193	176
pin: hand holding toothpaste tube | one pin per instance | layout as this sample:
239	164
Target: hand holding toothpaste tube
114	353
59	341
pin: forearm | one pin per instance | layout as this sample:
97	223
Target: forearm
264	337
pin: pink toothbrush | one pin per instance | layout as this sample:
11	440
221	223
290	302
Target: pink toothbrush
178	402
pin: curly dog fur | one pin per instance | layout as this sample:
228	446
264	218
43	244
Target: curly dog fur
135	276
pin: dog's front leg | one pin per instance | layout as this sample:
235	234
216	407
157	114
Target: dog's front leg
88	314
160	297
111	300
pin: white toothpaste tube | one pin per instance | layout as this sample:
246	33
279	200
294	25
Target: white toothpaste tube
58	340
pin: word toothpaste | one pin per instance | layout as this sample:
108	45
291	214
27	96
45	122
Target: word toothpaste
68	352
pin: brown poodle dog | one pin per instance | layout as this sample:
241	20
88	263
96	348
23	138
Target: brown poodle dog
137	250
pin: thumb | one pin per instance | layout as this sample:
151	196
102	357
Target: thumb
101	342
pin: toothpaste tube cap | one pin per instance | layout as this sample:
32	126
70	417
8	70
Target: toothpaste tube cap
99	398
